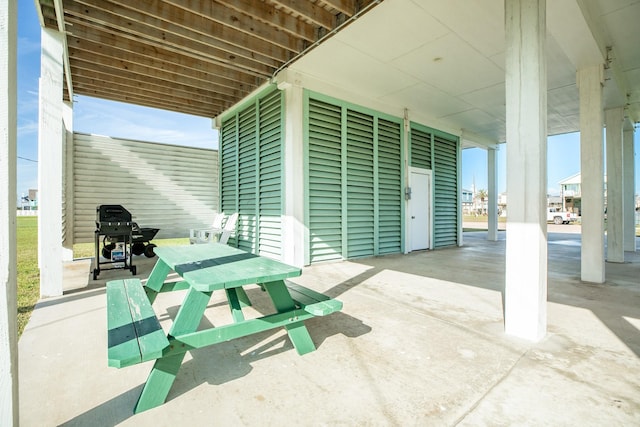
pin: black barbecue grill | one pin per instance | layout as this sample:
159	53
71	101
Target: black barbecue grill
121	239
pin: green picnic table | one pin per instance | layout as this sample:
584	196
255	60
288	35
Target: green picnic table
135	334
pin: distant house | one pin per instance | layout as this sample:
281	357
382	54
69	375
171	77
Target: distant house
571	193
502	199
467	201
570	187
502	204
30	201
554	201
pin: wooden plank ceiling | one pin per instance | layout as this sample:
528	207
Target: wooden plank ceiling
197	57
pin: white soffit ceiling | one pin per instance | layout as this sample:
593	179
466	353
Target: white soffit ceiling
445	59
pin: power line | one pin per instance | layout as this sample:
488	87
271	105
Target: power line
29	160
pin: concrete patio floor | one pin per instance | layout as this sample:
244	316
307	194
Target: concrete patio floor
420	341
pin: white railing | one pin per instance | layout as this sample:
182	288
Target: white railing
20	212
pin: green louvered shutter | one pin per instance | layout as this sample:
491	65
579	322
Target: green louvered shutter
446	191
229	169
251	174
420	149
389	187
325	181
355	178
270	227
360	188
247	184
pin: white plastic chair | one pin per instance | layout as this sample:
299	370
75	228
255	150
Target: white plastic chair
229	228
206	235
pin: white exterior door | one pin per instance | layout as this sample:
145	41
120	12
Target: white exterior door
420	208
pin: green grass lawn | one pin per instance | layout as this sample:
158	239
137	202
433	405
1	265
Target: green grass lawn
87	250
481	218
28	272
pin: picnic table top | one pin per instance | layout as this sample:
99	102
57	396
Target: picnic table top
209	267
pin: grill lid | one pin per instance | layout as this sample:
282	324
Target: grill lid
113	219
112	213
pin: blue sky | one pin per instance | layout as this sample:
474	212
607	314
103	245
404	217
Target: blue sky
90	115
563	161
123	120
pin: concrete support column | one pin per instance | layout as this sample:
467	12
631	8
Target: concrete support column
614	118
526	102
8	194
294	240
589	81
629	197
492	170
51	136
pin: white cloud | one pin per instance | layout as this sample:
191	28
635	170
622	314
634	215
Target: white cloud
28	104
129	121
27	128
28	46
27	176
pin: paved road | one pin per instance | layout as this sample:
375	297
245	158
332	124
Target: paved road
551	228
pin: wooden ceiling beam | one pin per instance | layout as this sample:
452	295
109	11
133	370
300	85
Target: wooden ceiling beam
185	40
124	59
90	68
161	78
204	80
98	92
148	56
166	80
310	11
192	56
166	100
245	61
48	14
164	96
270	15
145	86
199	30
348	7
199	110
218	13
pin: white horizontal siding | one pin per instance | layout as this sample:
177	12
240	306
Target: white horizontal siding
169	187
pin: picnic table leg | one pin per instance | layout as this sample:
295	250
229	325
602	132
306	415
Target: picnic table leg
156	279
242	297
234	304
159	383
237	299
165	369
298	333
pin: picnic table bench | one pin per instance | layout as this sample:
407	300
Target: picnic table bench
135	334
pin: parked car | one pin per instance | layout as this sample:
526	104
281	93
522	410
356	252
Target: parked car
558	216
